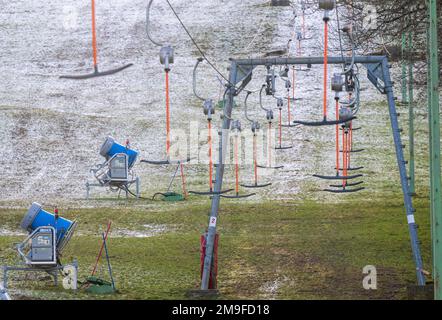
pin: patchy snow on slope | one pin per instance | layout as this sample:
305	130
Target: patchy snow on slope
52	128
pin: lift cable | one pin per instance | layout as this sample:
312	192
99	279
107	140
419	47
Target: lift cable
196	44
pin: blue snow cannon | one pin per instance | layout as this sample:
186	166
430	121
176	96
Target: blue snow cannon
37	217
110	148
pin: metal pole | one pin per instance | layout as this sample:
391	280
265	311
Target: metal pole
404	69
109	267
412	228
211	231
411	113
435	171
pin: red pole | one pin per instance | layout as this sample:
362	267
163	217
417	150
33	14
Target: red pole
254	159
167	115
293	83
236	166
325	66
269	147
210	157
94	36
337	137
102	247
183	180
280	125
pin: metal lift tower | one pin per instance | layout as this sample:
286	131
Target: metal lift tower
379	75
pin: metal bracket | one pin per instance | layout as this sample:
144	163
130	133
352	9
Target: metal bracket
376	76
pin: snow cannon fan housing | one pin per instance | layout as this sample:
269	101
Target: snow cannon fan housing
110	148
327	4
37	218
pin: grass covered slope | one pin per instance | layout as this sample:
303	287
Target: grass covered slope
284	250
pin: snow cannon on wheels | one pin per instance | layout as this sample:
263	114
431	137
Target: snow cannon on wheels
116	172
42	249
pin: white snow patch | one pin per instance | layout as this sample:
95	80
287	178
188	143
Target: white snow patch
150	230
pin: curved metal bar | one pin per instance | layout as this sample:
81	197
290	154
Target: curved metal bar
256	185
338	177
290	126
323	122
260	98
166	162
277	167
238	196
351	169
353	151
210	193
149	5
354	184
199	60
344	190
246	114
96	73
283	148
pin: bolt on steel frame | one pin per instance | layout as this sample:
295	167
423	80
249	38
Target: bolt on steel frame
378	74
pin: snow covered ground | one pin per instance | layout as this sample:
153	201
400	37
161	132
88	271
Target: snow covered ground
51	129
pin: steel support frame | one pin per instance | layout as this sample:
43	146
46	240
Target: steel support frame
52	271
232	92
411	164
404	69
435	162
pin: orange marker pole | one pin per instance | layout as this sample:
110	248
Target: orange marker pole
210	157
183	180
94	37
344	156
270	146
167	115
293	83
280	126
325	66
289	114
337	137
254	159
350	143
236	166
